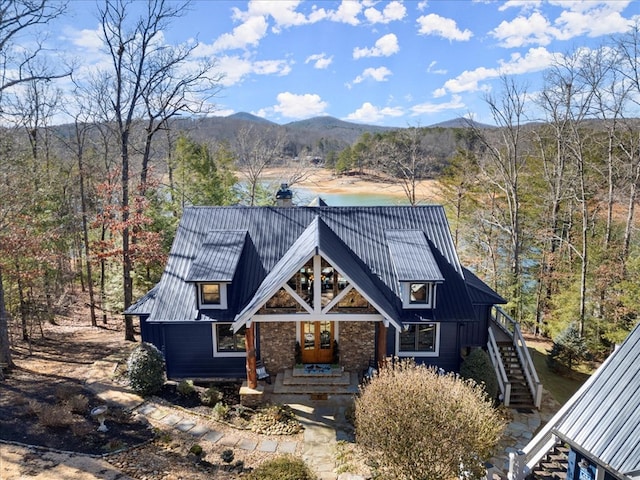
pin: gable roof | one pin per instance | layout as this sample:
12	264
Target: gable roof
604	419
353	238
319	239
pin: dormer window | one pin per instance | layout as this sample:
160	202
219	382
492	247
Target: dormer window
213	295
418	294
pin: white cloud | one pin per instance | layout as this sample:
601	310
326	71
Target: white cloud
535	60
433	24
521	4
320	60
590	18
248	33
392	11
235	68
283	12
385	46
455	103
523	31
300	106
431	69
379	74
369	113
347	12
86	39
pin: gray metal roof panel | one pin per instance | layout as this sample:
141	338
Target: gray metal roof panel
218	257
479	291
605	419
144	304
412	256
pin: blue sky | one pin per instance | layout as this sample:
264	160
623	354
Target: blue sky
393	63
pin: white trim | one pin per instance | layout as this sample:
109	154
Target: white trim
435	353
333	317
337	298
296	297
213	306
406	295
214	335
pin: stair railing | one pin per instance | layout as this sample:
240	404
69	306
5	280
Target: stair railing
498	365
512	328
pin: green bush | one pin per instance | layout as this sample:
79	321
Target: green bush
413	423
145	369
210	396
282	468
220	411
186	388
478	367
568	348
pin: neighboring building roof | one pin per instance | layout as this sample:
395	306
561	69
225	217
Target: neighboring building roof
604	419
353	237
412	256
318	202
218	256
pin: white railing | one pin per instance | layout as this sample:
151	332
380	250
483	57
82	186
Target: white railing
496	360
512	329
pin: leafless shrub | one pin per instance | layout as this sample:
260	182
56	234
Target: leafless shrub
55	416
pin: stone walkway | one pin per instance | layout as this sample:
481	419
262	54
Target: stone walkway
323	420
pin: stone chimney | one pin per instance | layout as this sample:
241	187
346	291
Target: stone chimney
284	196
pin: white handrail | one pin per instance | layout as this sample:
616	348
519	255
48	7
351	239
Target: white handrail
496	359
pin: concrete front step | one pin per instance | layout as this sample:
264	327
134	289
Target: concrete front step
287	383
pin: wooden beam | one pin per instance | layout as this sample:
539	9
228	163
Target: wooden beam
382	343
249	340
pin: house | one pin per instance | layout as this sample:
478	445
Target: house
312	285
600	424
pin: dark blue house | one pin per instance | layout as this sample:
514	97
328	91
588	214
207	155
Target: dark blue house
320	284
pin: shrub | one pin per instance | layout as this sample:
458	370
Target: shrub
78	403
478	367
55	416
227	455
568	347
414	423
196	450
220	411
145	369
282	468
210	396
186	388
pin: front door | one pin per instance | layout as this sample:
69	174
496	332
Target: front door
317	342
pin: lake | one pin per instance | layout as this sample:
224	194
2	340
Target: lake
303	196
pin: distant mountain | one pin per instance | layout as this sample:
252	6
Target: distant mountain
460	122
249	117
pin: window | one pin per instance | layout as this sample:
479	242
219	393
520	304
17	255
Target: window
227	343
418	295
421	339
213	295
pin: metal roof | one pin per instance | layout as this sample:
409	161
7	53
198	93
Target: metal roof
479	291
604	421
271	233
412	257
218	257
144	304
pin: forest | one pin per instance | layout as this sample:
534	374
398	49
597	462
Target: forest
541	205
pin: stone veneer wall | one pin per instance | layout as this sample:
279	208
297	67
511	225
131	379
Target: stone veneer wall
277	345
357	343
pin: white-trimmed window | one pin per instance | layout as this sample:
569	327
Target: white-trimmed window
419	340
226	343
418	295
213	295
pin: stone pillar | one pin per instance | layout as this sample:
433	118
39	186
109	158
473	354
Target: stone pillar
250	344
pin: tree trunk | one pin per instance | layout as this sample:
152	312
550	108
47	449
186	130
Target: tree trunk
5	346
85	235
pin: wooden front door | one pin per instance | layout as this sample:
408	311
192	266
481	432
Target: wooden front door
317	342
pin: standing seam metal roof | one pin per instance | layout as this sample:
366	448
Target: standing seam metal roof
605	420
271	232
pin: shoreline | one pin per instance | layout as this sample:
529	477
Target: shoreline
322	180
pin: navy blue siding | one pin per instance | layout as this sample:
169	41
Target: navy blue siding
476	334
188	350
449	357
575	471
151	332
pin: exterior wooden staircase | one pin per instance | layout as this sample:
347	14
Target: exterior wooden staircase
553	465
520	395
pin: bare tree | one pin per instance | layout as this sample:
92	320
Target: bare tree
147	79
18	17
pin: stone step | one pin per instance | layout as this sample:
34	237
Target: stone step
287	383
